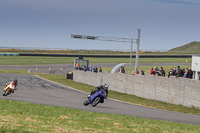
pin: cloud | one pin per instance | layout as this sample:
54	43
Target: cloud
184	2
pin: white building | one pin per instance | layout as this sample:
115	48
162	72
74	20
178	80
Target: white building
195	66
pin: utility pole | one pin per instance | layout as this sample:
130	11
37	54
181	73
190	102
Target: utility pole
137	52
131	54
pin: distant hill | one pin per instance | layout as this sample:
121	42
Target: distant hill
190	47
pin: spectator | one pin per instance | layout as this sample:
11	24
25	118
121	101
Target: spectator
156	71
179	72
122	69
152	71
184	70
100	69
162	72
142	72
95	69
186	73
85	69
90	68
118	70
77	66
174	71
198	73
190	73
170	73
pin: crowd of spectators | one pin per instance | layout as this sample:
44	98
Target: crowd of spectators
92	69
158	72
121	70
177	72
186	73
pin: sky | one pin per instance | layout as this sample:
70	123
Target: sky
164	24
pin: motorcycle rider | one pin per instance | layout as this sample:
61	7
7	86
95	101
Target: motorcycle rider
98	88
12	85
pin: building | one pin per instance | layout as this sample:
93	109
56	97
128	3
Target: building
195	66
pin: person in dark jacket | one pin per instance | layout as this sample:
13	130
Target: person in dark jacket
179	72
190	73
170	73
122	69
174	71
162	72
142	72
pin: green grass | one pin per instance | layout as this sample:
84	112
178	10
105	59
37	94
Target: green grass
34	60
19	117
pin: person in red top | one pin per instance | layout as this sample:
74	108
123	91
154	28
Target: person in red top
152	71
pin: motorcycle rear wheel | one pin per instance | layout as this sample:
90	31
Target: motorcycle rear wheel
96	101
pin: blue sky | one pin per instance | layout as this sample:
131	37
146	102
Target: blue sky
164	24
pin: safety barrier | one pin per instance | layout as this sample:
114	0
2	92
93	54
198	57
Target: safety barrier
107	56
171	90
9	54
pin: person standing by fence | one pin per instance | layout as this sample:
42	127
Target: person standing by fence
100	69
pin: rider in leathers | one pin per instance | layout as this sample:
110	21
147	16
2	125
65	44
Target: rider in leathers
12	85
104	87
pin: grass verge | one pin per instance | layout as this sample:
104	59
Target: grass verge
19	117
34	60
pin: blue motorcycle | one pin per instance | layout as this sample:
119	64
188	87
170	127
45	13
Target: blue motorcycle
96	98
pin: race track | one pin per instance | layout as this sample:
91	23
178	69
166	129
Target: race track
36	90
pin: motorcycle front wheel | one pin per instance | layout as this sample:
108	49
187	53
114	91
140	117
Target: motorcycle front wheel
96	101
86	102
5	93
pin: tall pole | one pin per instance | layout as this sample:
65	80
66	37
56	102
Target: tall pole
137	52
131	54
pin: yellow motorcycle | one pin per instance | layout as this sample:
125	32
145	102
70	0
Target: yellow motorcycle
7	90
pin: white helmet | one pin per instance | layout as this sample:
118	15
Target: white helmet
105	86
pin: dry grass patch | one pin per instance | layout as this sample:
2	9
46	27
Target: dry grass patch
102	118
29	119
64	117
118	124
19	125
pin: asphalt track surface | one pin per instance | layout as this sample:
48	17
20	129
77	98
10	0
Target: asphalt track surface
36	90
